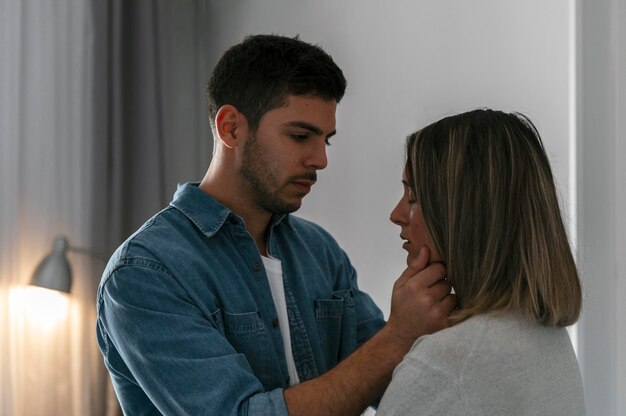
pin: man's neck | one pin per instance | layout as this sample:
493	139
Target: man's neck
256	219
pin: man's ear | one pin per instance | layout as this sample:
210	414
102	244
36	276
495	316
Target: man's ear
230	124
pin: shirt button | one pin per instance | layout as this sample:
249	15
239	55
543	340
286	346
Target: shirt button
275	322
257	267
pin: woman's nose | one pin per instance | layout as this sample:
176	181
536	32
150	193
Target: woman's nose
398	215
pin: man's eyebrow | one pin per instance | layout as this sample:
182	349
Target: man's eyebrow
310	127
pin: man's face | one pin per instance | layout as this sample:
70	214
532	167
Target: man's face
280	159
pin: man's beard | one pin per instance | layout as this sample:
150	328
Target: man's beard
257	168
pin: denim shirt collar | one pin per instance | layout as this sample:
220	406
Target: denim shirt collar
207	213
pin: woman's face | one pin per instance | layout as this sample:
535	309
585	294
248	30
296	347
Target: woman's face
408	215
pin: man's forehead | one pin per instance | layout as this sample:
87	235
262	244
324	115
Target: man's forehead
292	101
310	112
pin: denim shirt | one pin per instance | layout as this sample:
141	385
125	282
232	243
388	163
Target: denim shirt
186	321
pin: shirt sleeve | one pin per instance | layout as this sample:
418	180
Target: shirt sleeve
420	389
154	335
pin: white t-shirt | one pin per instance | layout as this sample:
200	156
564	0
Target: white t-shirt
274	271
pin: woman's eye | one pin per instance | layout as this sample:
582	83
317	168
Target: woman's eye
327	141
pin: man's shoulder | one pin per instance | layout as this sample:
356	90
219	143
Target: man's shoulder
303	236
164	247
160	232
308	227
310	232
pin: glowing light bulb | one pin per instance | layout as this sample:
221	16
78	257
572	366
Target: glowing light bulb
44	308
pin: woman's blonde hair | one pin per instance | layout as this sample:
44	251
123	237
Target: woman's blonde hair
488	197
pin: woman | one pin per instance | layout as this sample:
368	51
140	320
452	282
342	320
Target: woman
479	194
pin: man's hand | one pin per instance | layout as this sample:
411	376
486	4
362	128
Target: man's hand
420	304
421	300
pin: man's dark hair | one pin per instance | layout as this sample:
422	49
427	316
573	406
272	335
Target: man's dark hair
259	73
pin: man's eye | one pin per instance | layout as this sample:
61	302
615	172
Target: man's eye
299	137
327	141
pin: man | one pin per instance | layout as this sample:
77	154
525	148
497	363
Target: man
223	303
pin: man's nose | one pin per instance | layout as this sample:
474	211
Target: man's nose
318	158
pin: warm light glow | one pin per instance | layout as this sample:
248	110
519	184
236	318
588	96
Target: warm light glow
43	308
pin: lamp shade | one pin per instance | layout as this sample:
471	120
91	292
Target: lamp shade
54	271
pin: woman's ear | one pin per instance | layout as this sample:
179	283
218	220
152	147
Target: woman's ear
229	125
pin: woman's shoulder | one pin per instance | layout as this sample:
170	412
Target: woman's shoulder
498	363
449	348
488	337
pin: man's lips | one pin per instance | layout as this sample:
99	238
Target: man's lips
305	182
303	185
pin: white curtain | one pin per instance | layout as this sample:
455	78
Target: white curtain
101	113
47	367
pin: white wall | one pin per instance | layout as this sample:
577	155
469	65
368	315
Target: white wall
602	203
408	63
619	51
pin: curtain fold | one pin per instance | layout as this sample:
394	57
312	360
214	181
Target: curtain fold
151	127
101	113
47	366
129	156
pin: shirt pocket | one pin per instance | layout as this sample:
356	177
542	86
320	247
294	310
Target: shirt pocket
248	336
335	319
